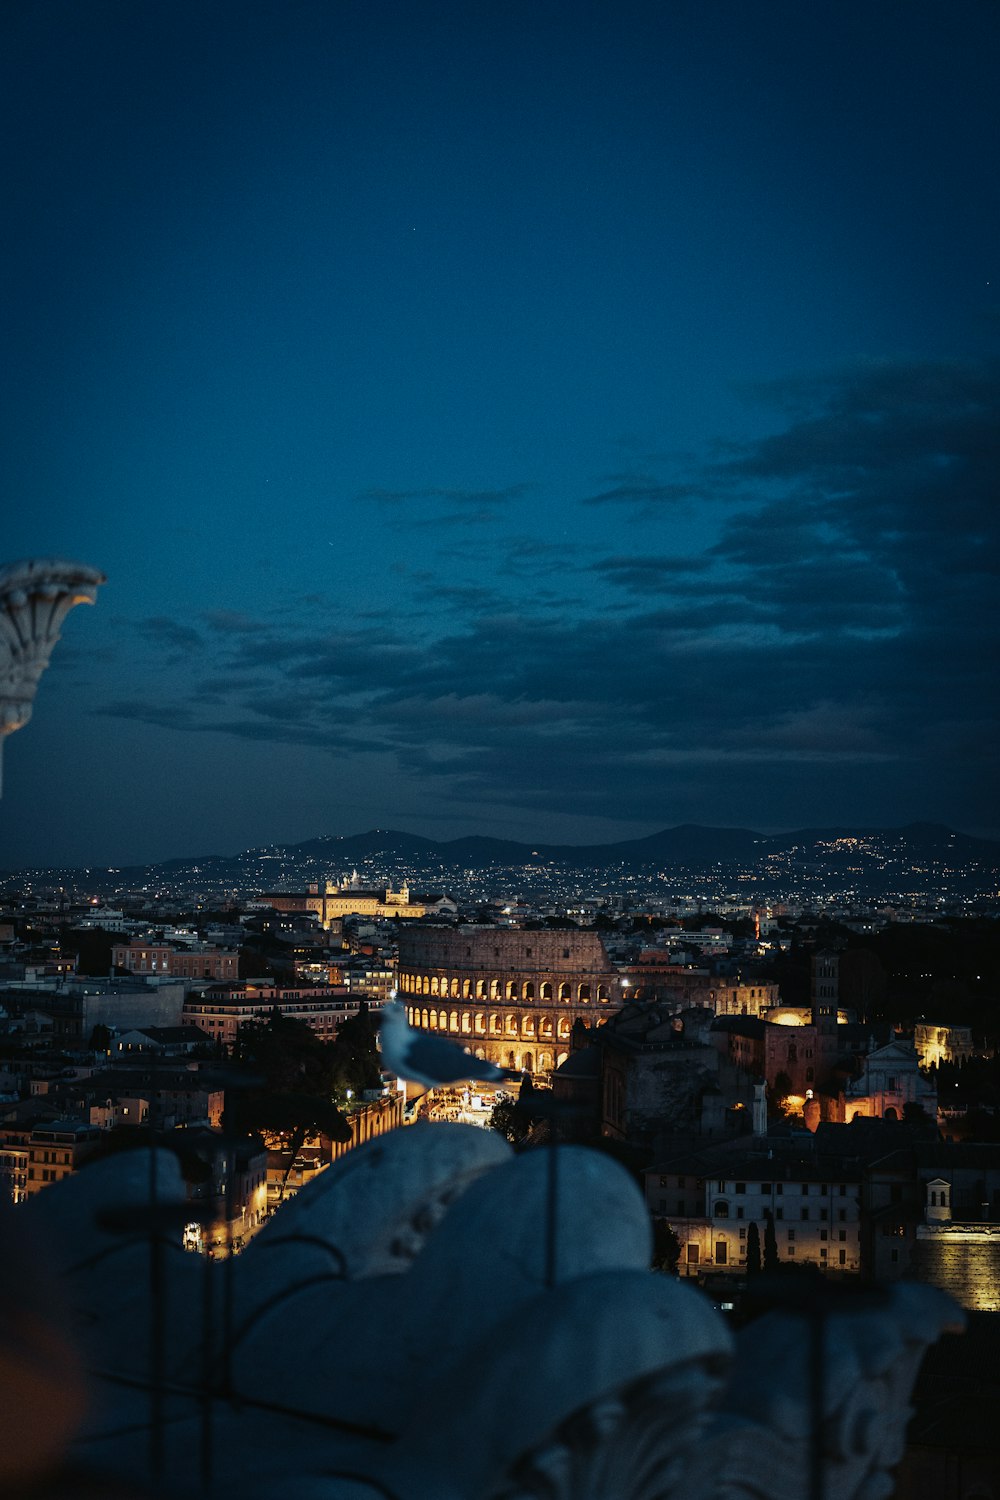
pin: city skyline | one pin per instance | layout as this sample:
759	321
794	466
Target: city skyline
537	422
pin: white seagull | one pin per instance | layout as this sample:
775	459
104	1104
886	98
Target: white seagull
418	1057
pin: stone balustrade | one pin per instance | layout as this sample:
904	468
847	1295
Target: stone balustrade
433	1318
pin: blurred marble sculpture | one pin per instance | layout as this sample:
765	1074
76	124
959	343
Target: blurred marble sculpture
397	1331
35	598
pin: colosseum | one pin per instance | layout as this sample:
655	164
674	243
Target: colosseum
510	996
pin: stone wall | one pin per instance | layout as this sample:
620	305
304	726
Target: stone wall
510	996
963	1260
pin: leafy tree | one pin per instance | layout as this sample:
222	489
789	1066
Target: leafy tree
863	983
666	1248
291	1077
356	1057
100	1038
286	1055
753	1250
93	947
771	1262
509	1121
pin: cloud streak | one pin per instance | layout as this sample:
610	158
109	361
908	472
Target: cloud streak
835	640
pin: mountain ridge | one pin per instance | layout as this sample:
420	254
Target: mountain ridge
682	845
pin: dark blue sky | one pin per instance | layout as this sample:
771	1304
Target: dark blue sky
546	419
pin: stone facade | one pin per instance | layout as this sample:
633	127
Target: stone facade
815	1212
561	1366
222	1009
180	963
511	996
938	1044
333	902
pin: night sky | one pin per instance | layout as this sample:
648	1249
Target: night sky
556	420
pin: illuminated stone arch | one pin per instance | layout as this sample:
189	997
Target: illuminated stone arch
510	1026
529	989
562	1029
602	993
545	1062
480	1024
466	989
453	1021
546	991
565	991
545	1030
527	1063
496	1024
561	1059
433	1020
512	991
423	1019
583	994
454	988
494	989
466	1022
511	1061
480	989
434	984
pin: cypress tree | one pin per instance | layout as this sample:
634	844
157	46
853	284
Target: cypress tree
753	1250
770	1243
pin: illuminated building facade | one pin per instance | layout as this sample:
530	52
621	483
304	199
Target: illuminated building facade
180	963
509	996
221	1009
332	902
815	1213
941	1044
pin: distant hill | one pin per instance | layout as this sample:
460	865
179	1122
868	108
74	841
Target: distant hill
690	847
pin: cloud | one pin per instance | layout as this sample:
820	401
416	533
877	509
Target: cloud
641	489
650	575
832	647
166	632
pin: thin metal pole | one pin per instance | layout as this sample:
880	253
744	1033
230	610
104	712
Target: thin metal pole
156	1308
207	1372
552	1208
816	1477
227	1273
